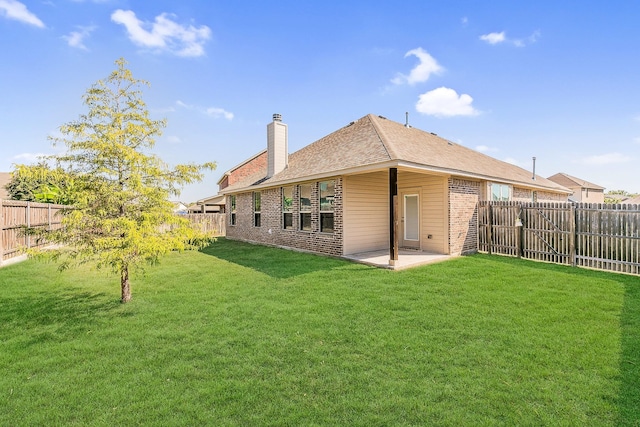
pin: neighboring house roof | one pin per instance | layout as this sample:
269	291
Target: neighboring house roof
179	206
632	200
5	177
571	181
373	142
218	199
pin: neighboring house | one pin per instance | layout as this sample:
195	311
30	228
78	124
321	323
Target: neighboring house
583	191
179	208
373	185
5	177
213	204
632	200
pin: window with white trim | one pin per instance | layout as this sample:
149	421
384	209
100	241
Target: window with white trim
327	191
287	208
232	202
304	196
500	192
257	208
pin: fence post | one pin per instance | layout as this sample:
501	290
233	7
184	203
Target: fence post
519	231
2	225
489	228
573	235
27	220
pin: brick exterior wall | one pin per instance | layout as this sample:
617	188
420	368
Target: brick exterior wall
526	195
271	231
224	183
248	169
463	215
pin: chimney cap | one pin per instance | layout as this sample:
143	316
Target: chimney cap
277	117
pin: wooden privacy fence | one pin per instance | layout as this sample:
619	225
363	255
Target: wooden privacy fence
210	223
601	236
15	214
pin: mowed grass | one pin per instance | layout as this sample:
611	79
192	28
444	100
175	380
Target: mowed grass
246	335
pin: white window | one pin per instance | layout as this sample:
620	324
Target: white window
233	210
257	209
500	192
304	194
287	208
327	194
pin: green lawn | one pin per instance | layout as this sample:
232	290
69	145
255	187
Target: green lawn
247	335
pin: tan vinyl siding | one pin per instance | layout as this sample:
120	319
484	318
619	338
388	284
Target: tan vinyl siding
366	212
433	202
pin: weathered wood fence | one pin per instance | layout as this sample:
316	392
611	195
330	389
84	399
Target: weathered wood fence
601	236
14	215
210	223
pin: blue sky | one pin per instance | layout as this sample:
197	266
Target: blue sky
556	80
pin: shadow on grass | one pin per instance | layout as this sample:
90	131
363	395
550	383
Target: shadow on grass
630	358
629	393
49	316
274	262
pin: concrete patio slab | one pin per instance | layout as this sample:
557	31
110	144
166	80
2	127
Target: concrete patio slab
406	258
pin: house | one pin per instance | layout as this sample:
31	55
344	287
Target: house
213	204
179	207
583	191
373	185
5	177
635	200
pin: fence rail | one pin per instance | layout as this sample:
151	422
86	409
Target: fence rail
16	214
601	236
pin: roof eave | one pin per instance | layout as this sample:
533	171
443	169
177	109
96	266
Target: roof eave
390	164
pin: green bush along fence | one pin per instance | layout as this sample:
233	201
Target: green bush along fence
600	236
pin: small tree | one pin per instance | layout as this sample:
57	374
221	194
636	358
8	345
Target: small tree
616	196
122	217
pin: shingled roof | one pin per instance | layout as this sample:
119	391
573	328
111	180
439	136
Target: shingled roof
375	142
571	181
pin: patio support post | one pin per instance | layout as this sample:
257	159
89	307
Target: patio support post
393	216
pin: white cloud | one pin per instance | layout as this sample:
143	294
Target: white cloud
445	102
13	9
172	139
76	38
421	72
464	21
219	112
493	38
496	38
604	159
636	140
214	112
534	37
163	34
28	158
485	149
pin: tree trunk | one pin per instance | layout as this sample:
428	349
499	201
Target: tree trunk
125	287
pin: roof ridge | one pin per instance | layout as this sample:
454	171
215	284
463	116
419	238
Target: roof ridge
384	139
581	182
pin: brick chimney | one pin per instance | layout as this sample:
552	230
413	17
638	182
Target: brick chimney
277	146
